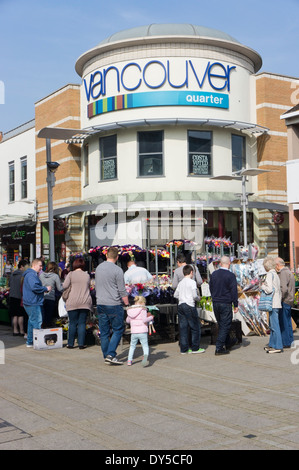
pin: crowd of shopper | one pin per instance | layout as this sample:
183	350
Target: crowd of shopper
35	290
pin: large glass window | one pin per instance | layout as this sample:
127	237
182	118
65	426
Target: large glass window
86	165
24	177
200	153
108	158
150	153
238	152
11	169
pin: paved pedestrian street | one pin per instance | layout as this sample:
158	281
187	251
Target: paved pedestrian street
70	399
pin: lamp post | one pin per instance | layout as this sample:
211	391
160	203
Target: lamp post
51	169
241	175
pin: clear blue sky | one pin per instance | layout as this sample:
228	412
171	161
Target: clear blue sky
42	39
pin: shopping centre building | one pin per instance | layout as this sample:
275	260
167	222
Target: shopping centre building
161	111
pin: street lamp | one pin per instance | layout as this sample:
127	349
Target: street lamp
241	176
51	169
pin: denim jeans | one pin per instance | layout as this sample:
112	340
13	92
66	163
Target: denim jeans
35	319
224	316
275	334
111	317
77	323
285	322
143	338
188	318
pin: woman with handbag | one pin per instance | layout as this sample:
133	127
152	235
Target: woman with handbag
271	287
78	303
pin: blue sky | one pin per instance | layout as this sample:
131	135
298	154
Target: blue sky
42	39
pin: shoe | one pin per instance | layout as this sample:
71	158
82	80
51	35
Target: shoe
29	345
16	334
287	347
145	361
186	352
266	348
273	351
83	347
129	363
199	351
69	346
221	352
112	360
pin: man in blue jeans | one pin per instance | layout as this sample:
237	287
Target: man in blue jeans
186	293
111	294
224	292
33	298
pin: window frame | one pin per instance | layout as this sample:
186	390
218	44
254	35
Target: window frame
102	159
11	165
192	175
24	181
244	156
161	153
86	164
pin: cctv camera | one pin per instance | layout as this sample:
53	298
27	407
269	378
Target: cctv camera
52	166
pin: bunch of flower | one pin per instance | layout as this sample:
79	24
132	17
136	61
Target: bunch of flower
160	292
180	243
213	241
161	253
4	293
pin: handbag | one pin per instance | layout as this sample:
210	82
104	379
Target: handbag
266	300
66	292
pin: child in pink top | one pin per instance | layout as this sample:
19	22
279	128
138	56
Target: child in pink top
138	318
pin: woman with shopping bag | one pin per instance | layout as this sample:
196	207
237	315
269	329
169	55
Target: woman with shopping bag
271	301
78	302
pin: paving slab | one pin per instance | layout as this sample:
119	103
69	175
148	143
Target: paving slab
70	399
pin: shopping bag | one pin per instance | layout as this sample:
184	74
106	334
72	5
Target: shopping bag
62	312
265	302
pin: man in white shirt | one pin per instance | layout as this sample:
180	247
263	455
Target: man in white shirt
186	292
136	274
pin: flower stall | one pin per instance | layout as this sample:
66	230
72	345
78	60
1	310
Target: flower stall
4	298
248	275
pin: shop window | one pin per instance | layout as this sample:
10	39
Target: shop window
238	152
150	153
24	178
86	165
108	158
11	179
199	153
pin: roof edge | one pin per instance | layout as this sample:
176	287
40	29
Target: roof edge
104	48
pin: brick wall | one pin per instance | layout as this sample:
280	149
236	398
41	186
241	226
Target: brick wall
60	109
274	95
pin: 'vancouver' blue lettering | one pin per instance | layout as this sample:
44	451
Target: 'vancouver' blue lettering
215	74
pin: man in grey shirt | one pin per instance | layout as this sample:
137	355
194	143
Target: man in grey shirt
178	273
111	293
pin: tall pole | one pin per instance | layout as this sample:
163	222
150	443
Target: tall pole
244	204
50	183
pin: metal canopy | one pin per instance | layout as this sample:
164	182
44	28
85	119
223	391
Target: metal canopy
237	175
77	136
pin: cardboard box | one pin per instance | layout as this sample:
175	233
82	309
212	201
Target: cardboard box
49	338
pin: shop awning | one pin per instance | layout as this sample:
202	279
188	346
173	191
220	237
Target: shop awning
10	219
77	136
94	208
